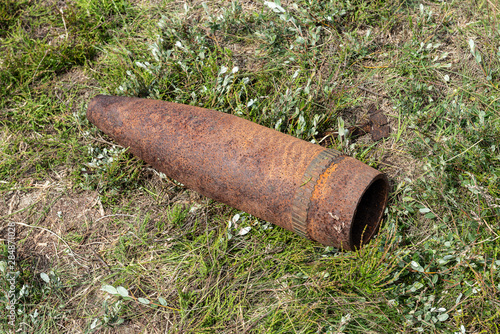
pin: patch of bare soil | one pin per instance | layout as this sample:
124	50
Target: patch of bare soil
376	122
61	224
46	215
74	234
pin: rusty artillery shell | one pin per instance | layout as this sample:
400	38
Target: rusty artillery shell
318	193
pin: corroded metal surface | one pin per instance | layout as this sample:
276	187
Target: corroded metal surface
303	196
316	192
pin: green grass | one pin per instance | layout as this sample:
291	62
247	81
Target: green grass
92	215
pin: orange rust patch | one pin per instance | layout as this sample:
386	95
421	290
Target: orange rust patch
322	180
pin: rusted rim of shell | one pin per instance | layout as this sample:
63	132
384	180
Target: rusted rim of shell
302	201
369	211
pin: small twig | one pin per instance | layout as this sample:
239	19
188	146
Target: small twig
100	258
117	214
328	135
462	153
372	92
150	302
38	66
65	243
383	66
105	141
64	22
492	5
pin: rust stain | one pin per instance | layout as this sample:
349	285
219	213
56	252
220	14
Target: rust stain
323	179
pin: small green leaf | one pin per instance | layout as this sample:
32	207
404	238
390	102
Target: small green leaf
416	286
162	301
143	300
274	6
424	210
244	230
430	215
458	299
109	289
45	277
478	57
122	291
472	46
415	265
443	317
95	323
300	40
3	266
